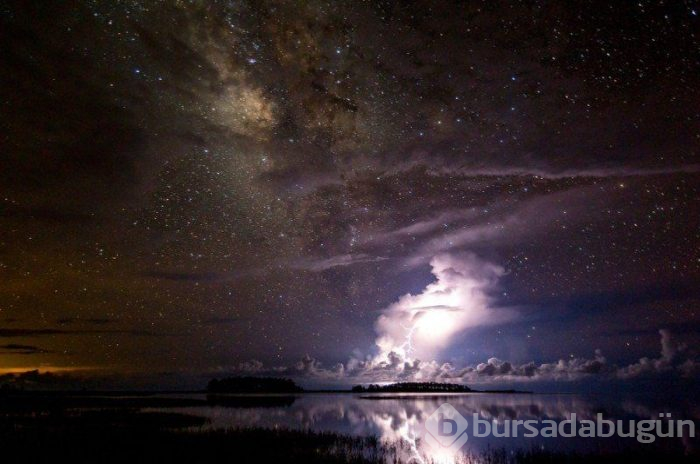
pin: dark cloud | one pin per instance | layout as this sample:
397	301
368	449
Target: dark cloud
91	321
9	333
23	333
14	348
676	359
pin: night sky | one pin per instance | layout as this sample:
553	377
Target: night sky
343	192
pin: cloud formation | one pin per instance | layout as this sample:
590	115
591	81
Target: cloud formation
418	326
15	348
675	361
323	264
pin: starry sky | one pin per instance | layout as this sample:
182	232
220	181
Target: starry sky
349	190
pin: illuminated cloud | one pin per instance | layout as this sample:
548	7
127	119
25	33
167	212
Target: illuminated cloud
419	326
675	362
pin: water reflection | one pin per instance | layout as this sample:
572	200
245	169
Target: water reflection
394	417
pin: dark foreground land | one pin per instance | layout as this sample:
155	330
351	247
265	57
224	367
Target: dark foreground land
116	430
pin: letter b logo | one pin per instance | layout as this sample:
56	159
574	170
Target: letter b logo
442	425
446	428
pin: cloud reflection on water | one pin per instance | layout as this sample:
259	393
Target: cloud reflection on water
393	418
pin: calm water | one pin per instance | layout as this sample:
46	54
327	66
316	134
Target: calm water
393	417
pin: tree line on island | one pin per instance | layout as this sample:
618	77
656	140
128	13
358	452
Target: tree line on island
233	385
413	387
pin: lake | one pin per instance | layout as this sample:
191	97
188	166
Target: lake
392	417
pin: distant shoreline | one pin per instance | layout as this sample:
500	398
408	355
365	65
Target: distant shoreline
204	392
422	393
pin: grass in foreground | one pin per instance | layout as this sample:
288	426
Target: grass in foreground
119	444
106	434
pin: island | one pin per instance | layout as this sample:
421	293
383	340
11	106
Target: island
424	387
413	387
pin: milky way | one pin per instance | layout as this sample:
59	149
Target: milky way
189	188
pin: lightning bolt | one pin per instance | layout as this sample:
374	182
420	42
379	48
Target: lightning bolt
407	346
